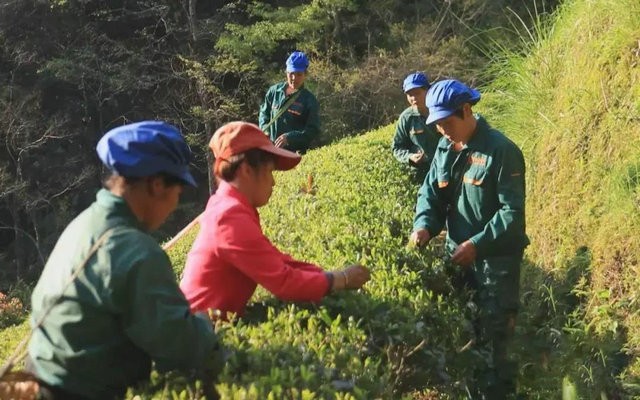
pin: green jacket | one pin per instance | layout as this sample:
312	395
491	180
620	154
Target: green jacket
413	135
478	192
300	123
122	311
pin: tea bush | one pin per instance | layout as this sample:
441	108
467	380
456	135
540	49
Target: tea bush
406	332
10	337
401	334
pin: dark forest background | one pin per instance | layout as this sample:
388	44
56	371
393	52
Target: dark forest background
72	69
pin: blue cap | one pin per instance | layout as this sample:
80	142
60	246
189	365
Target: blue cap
415	80
446	96
297	62
144	149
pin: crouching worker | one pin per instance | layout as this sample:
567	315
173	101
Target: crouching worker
108	300
231	255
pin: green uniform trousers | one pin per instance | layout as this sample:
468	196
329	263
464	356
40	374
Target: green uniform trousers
496	285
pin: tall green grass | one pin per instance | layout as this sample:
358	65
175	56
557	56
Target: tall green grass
573	105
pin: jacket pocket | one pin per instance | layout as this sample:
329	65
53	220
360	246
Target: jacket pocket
475	176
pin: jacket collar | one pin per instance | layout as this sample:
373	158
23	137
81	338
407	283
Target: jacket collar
478	140
227	190
117	206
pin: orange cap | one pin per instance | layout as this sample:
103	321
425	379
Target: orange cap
237	137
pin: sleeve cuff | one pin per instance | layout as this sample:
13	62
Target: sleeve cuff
329	276
479	244
420	224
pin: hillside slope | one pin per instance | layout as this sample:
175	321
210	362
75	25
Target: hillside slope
350	203
573	104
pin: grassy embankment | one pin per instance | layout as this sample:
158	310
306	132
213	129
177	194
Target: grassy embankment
573	104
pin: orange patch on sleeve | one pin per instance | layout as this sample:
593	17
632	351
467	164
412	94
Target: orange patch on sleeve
476	182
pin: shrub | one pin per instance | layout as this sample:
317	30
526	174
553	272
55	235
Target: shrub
12	311
347	203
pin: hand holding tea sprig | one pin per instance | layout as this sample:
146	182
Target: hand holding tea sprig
464	254
351	277
420	237
417	158
281	141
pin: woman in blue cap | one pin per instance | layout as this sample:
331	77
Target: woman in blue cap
107	302
476	188
290	114
414	142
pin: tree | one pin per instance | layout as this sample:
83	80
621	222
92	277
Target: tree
70	71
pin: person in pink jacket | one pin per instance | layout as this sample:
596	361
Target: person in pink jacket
231	255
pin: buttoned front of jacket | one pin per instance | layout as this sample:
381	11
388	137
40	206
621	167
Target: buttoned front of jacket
478	192
413	135
300	122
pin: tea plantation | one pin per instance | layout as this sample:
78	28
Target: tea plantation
349	203
404	334
572	104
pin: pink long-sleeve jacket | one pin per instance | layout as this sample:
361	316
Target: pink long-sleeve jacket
231	256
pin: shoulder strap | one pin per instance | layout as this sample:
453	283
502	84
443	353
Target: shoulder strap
282	109
20	352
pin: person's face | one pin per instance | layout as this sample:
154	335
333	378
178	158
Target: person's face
296	79
261	183
456	128
416	97
164	200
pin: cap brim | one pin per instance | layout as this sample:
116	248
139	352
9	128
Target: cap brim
475	96
438	113
188	179
285	159
412	86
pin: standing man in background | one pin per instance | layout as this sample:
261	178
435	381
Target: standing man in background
476	186
414	142
290	114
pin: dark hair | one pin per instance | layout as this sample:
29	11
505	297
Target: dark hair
169	180
459	112
256	158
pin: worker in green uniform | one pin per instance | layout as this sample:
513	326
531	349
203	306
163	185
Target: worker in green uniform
100	330
476	187
414	142
290	114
